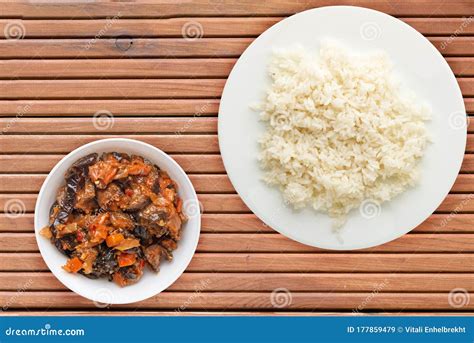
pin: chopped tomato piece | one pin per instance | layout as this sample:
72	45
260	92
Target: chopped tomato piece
119	279
114	240
129	192
125	259
102	173
99	232
80	236
73	265
137	168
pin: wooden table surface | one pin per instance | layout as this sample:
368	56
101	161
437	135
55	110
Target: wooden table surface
154	71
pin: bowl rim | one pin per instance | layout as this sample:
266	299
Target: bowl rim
43	191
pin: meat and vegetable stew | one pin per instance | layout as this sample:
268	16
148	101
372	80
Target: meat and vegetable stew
115	215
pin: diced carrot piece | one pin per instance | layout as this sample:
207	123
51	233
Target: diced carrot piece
114	240
73	265
179	205
125	259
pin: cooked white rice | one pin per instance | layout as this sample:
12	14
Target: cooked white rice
339	129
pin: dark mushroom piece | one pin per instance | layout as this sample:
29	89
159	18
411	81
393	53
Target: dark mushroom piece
121	220
110	198
153	256
153	218
85	198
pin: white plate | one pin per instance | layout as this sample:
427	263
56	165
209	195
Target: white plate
102	291
421	68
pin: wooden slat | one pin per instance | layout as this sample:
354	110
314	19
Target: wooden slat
49	144
139	47
300	263
60	89
164	9
122	107
110	124
296	282
162	88
117	107
129	68
15	164
165	47
469	103
148	68
464	183
457	203
229	300
26	242
468	162
467	84
453	222
211	27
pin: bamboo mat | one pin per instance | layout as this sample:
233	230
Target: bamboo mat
157	69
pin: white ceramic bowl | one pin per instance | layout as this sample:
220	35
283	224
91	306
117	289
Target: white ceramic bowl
102	291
